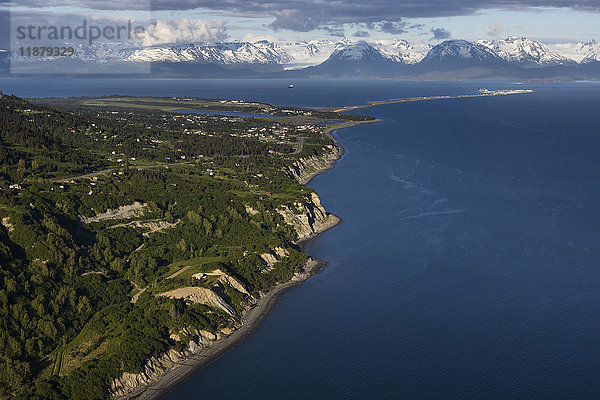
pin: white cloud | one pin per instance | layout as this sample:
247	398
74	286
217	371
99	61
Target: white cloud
250	37
184	30
494	28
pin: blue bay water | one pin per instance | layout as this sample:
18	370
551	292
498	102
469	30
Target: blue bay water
467	265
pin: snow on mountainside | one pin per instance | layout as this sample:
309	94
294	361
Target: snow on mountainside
461	52
402	51
262	52
525	52
357	59
309	53
354	52
98	53
590	51
580	52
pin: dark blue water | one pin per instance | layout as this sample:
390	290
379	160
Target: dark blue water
467	265
468	262
306	92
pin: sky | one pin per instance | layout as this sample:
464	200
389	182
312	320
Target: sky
428	21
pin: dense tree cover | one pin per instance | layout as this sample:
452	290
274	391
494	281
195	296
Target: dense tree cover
68	326
36	139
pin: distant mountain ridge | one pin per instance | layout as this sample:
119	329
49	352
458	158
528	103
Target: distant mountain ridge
512	58
262	52
508	58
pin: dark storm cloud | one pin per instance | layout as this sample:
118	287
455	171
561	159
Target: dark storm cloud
395	28
295	20
4	30
307	15
333	31
361	34
440	33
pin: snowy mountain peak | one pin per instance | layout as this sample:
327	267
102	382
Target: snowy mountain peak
355	51
525	52
461	51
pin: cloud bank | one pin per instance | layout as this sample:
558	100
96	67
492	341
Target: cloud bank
309	15
183	30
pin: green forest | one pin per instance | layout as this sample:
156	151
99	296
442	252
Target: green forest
104	208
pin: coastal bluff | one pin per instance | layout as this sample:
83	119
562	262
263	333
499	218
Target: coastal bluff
304	169
308	218
128	383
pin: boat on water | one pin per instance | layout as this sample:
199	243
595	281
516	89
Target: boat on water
290	86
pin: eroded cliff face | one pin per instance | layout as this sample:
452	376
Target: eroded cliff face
157	366
128	386
308	218
305	168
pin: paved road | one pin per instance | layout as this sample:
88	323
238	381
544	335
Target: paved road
105	171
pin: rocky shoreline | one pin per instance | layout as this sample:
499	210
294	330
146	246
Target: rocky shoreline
163	374
304	169
307	168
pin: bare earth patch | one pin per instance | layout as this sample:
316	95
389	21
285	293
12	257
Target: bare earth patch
123	212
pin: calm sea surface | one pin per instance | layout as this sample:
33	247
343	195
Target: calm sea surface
467	265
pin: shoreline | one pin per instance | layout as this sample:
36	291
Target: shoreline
252	318
250	321
340	150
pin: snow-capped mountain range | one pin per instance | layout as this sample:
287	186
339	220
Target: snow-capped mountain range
299	54
384	57
262	52
294	55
